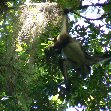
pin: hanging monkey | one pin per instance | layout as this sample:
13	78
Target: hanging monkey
74	52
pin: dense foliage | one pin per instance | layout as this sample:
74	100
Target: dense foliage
30	81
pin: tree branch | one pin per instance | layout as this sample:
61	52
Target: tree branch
97	4
102	16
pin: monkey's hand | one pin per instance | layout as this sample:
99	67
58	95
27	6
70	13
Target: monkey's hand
49	52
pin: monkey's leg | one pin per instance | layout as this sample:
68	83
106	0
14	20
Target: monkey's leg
63	68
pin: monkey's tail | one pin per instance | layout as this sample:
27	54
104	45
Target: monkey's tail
98	59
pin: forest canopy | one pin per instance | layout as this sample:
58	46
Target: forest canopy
32	81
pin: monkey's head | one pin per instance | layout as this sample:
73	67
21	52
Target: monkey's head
64	39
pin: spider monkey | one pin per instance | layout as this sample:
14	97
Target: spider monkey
74	52
71	47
